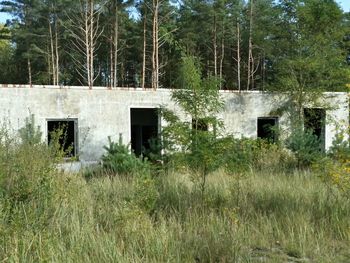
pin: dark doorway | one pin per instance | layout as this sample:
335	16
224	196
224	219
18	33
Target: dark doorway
267	128
315	121
65	133
144	130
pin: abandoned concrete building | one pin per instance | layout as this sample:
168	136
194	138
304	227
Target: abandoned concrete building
93	115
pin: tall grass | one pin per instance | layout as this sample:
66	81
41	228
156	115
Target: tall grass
50	216
276	219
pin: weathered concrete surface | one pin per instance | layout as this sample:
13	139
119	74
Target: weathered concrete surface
102	112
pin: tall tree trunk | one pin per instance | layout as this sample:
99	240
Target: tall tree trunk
250	47
111	65
215	48
29	72
253	70
222	53
91	45
49	66
115	43
52	56
56	54
87	46
238	56
143	74
85	31
263	73
155	55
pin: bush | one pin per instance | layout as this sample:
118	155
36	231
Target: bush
273	158
239	154
306	147
27	186
335	173
243	155
120	160
30	133
340	149
25	165
146	193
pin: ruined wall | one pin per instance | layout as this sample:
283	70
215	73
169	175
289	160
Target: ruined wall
102	112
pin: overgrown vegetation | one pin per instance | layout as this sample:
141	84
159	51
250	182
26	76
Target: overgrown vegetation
119	160
195	196
47	215
257	204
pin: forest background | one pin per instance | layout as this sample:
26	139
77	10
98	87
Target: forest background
248	45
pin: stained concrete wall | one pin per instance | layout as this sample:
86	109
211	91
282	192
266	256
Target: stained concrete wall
102	112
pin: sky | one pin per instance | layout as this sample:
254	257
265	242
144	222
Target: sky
345	4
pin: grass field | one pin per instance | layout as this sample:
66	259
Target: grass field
258	218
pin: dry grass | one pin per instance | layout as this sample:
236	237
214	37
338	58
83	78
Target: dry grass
264	218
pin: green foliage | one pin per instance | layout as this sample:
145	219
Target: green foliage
58	143
196	96
305	145
340	148
239	155
30	134
27	187
119	160
334	169
277	220
312	32
146	193
6	56
154	153
200	100
243	155
50	216
296	43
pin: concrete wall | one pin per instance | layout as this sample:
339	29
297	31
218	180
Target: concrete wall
102	112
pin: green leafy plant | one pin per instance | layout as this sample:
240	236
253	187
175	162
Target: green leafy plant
119	160
58	143
145	193
30	133
196	139
26	179
340	148
305	145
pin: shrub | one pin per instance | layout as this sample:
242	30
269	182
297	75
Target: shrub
27	188
145	193
340	149
200	99
58	143
30	133
335	173
243	155
273	158
120	160
239	154
305	145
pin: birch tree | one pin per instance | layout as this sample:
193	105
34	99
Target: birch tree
155	44
85	31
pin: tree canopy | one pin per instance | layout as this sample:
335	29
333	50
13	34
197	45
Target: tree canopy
288	45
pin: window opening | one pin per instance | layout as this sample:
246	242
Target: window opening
144	130
315	121
267	128
63	132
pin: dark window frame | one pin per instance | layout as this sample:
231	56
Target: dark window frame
76	134
138	150
319	116
276	124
